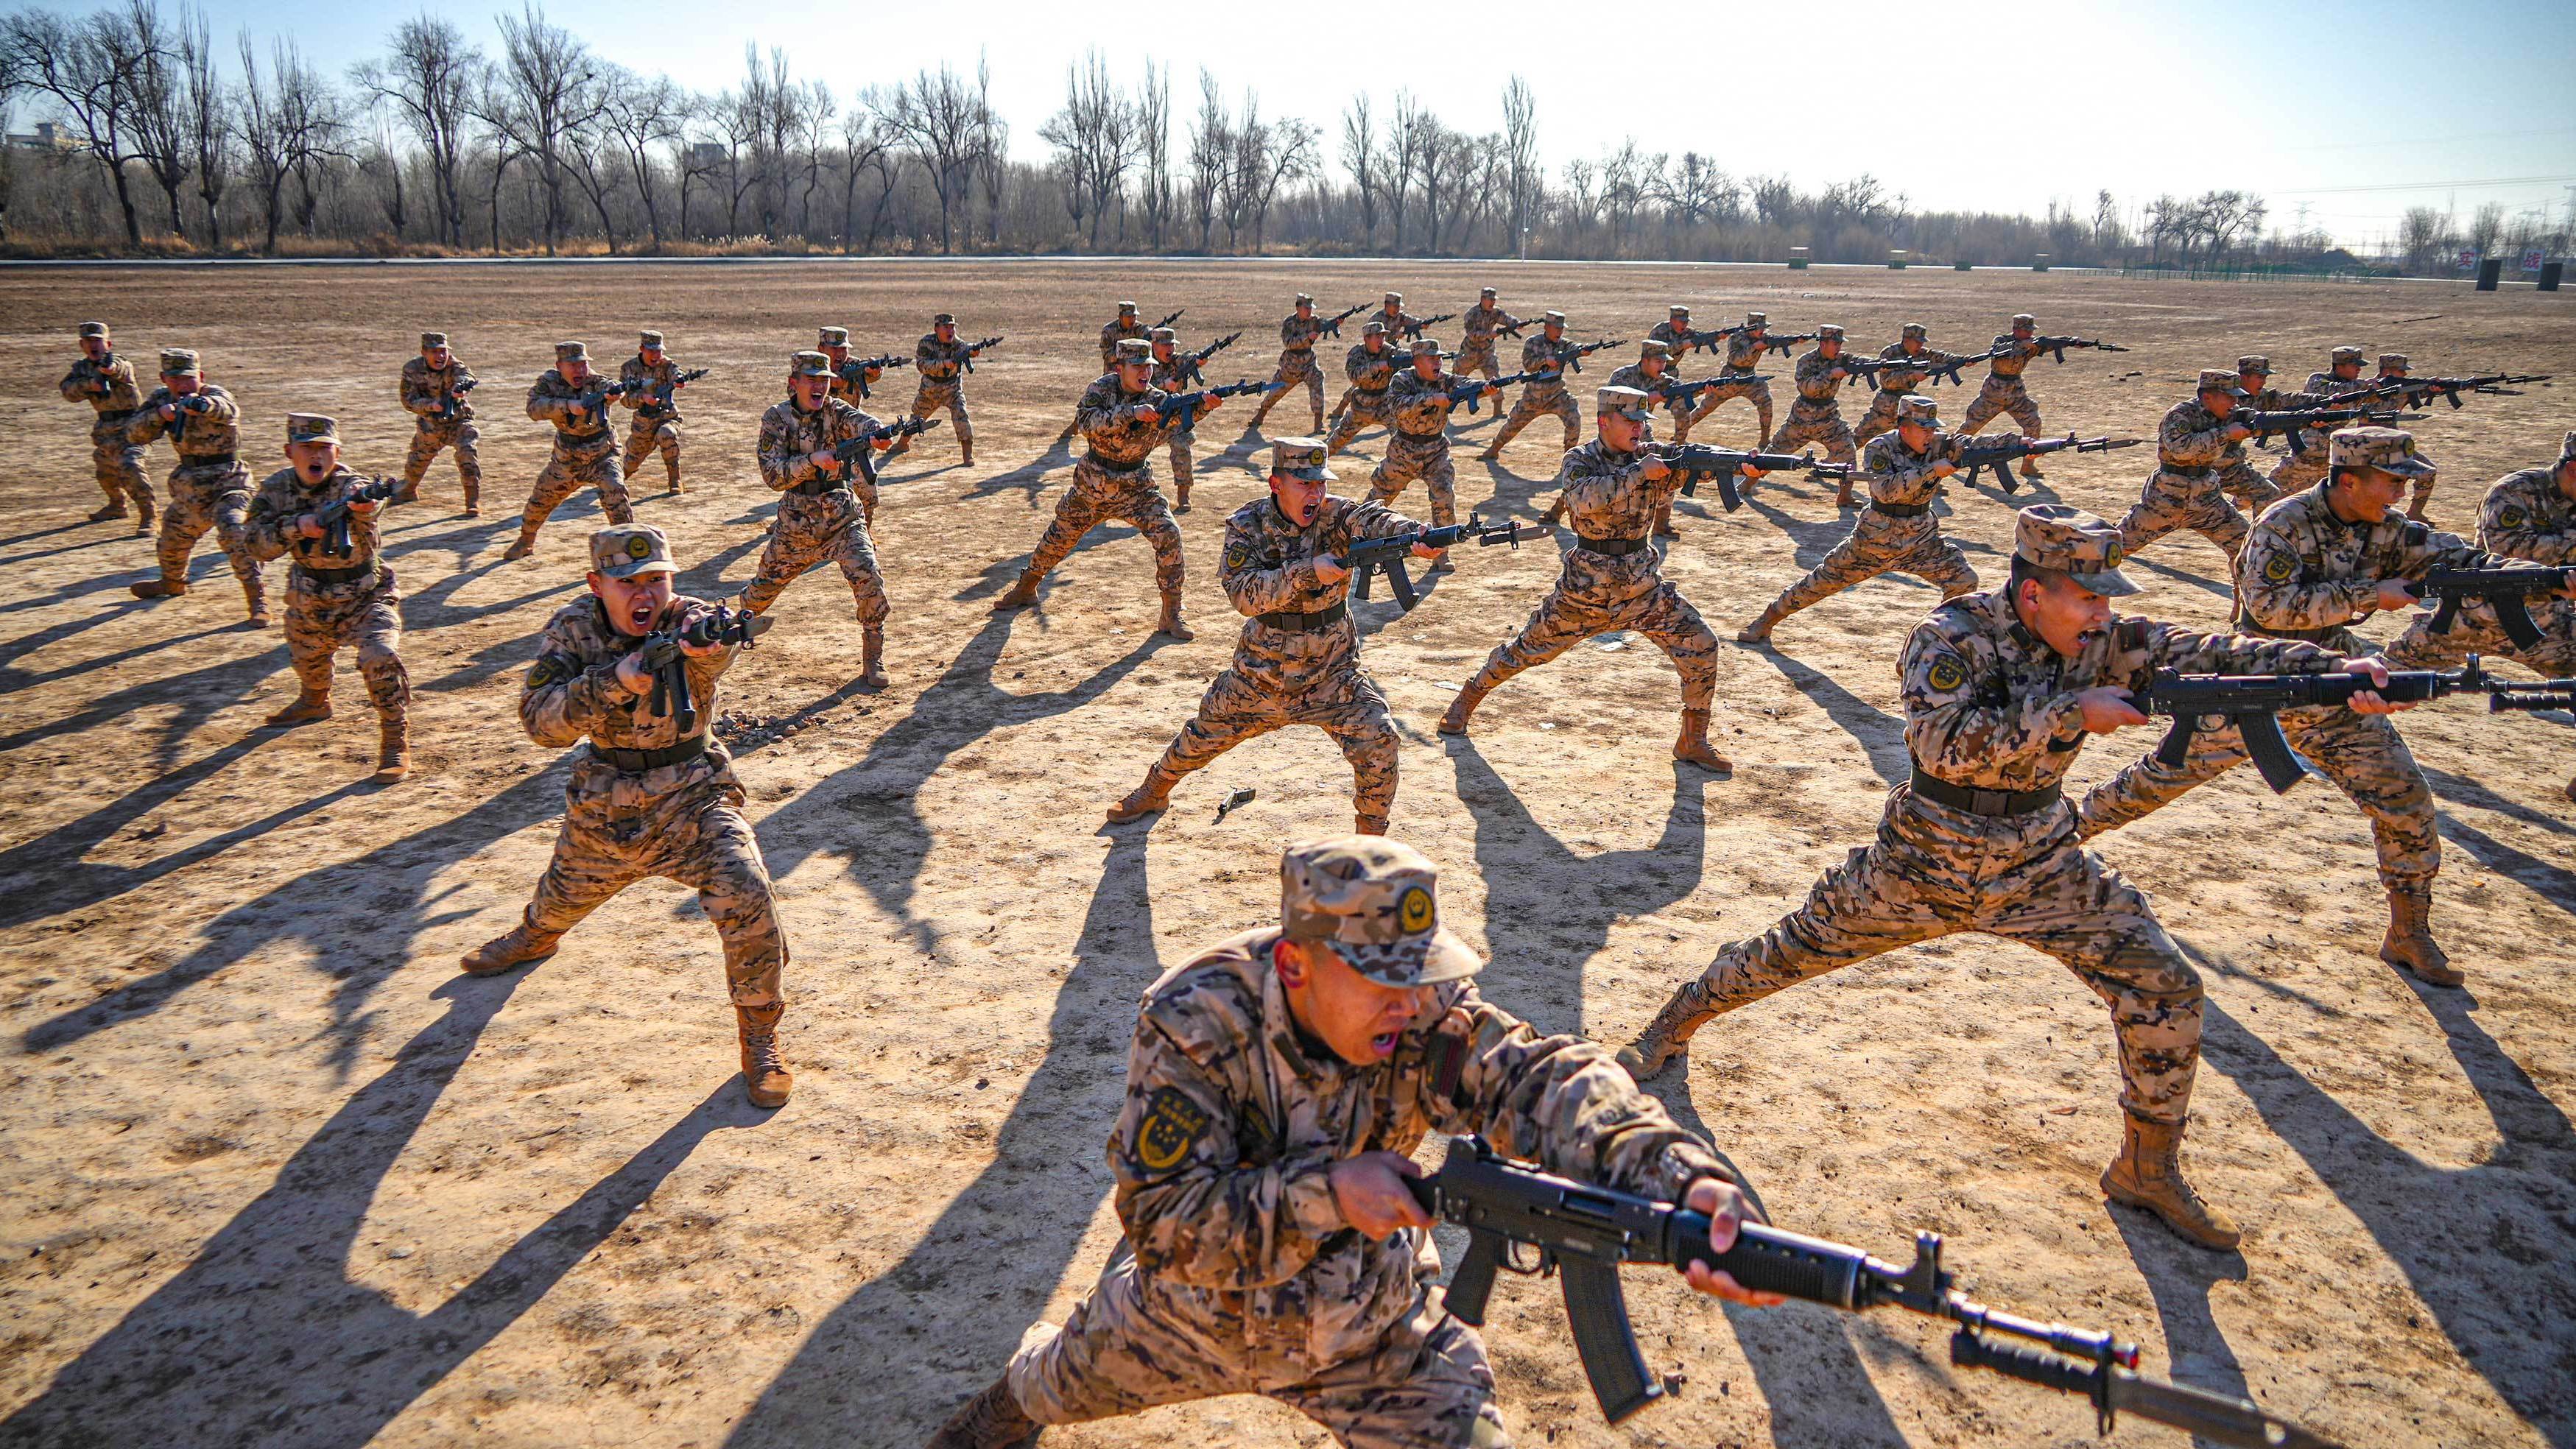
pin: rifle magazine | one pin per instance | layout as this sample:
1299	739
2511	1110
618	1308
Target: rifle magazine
1602	1338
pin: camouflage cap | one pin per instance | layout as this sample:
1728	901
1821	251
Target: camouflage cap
1919	410
1376	903
2073	542
648	338
311	428
832	337
2392	362
1653	347
1486	292
93	329
429	340
178	362
943	319
2254	362
2024	319
1374	329
1552	319
1627	402
1305	458
1678	310
1126	309
808	364
2220	379
1422	345
630	549
1757	319
1828	332
2390	450
1134	349
2345	354
1305	299
1395	299
1913	329
1162	334
570	352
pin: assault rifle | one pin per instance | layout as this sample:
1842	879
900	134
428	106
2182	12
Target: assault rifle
2505	590
2421	390
1168	321
447	405
856	370
1951	368
1367	557
1510	326
661	654
195	402
659	399
1473	393
1332	326
2250	702
2056	346
1574	356
973	348
858	454
1686	394
1213	348
1783	342
1414	328
1690	342
101	385
334	516
1972	453
1586	1233
1187	405
2295	423
1867	369
1695	461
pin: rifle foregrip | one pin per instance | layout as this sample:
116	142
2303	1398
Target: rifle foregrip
1767	1260
2031	1365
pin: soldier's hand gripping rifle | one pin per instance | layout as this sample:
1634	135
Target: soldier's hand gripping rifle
336	521
1510	326
1695	461
2056	346
1686	394
659	399
1585	1234
1713	340
974	349
2421	390
1367	557
195	402
1415	327
1573	356
1782	342
2504	589
1186	406
1867	369
1473	393
1168	321
446	406
1973	452
2296	423
662	656
1332	326
856	370
1949	368
858	455
2250	702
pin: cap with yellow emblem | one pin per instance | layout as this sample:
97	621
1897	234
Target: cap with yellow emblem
431	341
178	362
311	428
808	364
832	337
571	352
2070	541
1134	349
1919	410
631	549
1305	458
1376	903
1626	402
2390	450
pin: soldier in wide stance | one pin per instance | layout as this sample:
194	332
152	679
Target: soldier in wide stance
209	486
434	387
824	504
107	383
574	400
1899	534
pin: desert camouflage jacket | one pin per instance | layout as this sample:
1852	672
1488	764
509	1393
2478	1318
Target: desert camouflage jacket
1372	371
2305	571
282	498
789	435
2527	515
197	436
579	413
655	377
426	392
123	394
1813	384
573	691
1899	475
1122	427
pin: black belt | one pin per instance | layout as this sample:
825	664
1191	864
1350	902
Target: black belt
1314	623
1613	547
1421	437
1092	457
2186	470
817	487
636	762
206	460
1900	510
577	440
329	577
1983	802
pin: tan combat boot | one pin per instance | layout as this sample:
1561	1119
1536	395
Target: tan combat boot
144	520
2409	943
1669	1034
872	656
764	1072
965	452
526	545
1181	495
309	706
523	942
2148	1174
393	751
164	587
1461	709
1022	594
1759	631
1368	824
1170	625
1664	521
990	1420
1151	798
113	508
1693	748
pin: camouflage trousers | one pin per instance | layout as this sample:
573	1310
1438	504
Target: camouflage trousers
118	463
1475	355
216	499
1098	495
368	618
654	434
2002	397
1881	417
2298	472
1183	466
1536	403
810	531
1344	704
429	438
1366	408
1757	392
932	396
1295	367
1564	620
1933	872
1408	458
2477	631
2361	753
681	822
1428	1385
592	463
1814	423
1879	544
2238	480
2171	501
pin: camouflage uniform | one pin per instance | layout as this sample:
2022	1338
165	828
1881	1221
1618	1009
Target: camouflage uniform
2002	393
1816	417
1894	385
834	344
1177	373
209	489
1114	480
2236	476
1401	326
943	367
1296	365
1119	330
823	513
2305	468
2191	450
2526	515
585	450
1542	396
1372	375
116	458
1480	325
1417	445
1744	353
1899	533
1675	334
333	601
445	419
656	426
1243	1274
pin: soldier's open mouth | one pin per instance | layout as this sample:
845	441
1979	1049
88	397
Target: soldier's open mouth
641	616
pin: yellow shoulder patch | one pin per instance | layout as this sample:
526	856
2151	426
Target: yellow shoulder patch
545	671
1173	1124
1238	555
2278	568
1948	672
2512	516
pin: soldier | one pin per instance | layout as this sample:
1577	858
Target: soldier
1175	372
1121	418
443	418
333	601
653	384
2000	690
1816	417
1548	354
1896	383
1417	446
2236	476
2393	368
2304	467
2316	562
642	799
1611	580
823	511
2191	444
942	361
1118	330
1899	533
1278	1086
575	400
1676	335
834	344
2002	393
1745	349
210	486
1370	365
1481	324
1652	374
107	383
1400	324
1298	660
1297	333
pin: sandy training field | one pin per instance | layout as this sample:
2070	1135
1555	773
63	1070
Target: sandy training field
277	1174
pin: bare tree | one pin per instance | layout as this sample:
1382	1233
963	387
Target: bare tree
1361	159
638	113
2107	231
12	85
935	117
381	159
2486	225
209	115
547	93
1154	145
291	125
90	68
1095	136
1267	155
1405	135
864	136
159	123
2422	236
992	151
1211	158
1523	180
429	78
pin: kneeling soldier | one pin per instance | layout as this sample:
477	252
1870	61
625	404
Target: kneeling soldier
1278	1086
333	600
643	800
823	510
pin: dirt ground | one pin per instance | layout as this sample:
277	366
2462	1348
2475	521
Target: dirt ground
277	1174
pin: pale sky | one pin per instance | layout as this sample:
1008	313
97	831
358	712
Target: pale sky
2180	96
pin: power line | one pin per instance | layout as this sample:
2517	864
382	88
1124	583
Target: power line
2422	186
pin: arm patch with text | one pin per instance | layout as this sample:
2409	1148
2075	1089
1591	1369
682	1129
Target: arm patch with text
1173	1124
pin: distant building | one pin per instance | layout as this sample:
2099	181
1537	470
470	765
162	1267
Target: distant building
47	137
706	155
